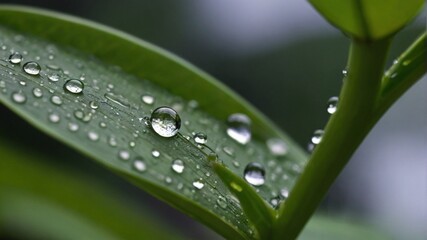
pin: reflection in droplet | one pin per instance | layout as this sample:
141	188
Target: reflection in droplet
32	68
332	105
178	166
254	174
165	121
239	128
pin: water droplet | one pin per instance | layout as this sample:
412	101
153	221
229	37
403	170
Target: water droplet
56	100
117	99
178	166
54	117
239	128
74	86
193	104
199	184
37	92
236	186
277	146
94	104
132	144
200	138
32	68
332	105
284	192
53	77
228	150
254	174
345	72
406	62
85	117
15	58
147	99
155	153
93	136
165	121
19	97
112	141
317	136
275	202
124	155
139	165
73	127
222	202
102	124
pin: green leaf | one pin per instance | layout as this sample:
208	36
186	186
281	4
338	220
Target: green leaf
256	209
41	201
368	19
106	121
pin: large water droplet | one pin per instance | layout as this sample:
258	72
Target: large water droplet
74	86
332	105
32	68
178	166
139	165
277	146
222	202
254	174
147	99
165	121
200	138
199	184
19	97
239	128
317	136
15	58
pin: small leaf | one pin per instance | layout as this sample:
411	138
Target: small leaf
95	89
368	19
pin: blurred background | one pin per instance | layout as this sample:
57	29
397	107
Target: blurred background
287	61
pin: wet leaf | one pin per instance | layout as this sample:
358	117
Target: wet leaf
95	89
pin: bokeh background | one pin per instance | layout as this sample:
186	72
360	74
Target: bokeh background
287	61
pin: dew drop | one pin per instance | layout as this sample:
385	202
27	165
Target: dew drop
19	97
178	166
332	105
73	127
284	192
54	118
94	104
139	165
239	128
317	136
165	121
199	184
254	174
53	77
32	68
93	136
277	146
200	138
37	92
74	86
344	72
112	141
275	202
147	99
228	150
124	155
117	99
222	202
155	153
15	58
56	100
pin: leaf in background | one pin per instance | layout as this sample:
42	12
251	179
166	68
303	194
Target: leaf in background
97	87
368	19
40	201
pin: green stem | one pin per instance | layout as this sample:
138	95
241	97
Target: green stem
343	134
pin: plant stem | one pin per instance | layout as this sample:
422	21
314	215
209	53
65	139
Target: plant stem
343	134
